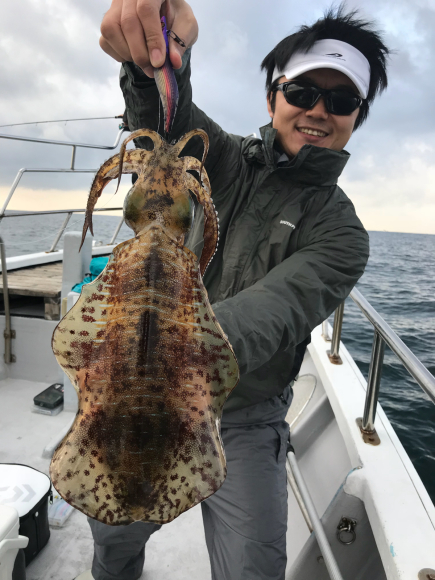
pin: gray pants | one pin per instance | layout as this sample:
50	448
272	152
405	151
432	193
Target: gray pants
245	521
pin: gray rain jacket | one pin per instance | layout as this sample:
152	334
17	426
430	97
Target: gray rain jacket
291	247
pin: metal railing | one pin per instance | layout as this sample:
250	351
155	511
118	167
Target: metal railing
8	333
71	169
70	212
383	334
67	143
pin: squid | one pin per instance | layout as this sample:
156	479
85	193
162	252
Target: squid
150	363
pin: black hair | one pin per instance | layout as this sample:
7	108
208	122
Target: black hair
338	25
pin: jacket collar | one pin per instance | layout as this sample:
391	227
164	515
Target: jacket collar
312	165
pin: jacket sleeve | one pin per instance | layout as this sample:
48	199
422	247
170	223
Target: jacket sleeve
280	310
143	110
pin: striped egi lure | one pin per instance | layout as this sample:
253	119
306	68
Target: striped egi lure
149	361
167	85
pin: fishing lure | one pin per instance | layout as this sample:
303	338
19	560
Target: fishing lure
167	85
149	361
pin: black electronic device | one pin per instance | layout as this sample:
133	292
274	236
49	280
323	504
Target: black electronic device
51	397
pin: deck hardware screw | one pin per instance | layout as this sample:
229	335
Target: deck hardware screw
320	559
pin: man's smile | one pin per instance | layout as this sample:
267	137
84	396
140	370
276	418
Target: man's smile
310	131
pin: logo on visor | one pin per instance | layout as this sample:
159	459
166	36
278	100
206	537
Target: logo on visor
336	55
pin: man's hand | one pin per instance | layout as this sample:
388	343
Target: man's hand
131	31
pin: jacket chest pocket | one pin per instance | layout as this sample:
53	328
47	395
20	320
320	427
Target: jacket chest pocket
274	245
283	228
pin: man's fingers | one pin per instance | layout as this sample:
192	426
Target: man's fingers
131	31
148	12
185	27
112	33
110	51
134	34
149	71
175	53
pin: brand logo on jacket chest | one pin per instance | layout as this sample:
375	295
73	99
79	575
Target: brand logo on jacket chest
287	224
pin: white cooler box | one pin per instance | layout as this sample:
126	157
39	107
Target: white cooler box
28	491
10	543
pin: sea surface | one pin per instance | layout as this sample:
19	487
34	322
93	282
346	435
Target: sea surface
399	282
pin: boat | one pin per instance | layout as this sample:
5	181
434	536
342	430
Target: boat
358	510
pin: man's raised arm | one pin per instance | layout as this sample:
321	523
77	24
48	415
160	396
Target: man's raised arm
131	34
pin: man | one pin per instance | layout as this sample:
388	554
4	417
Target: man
291	249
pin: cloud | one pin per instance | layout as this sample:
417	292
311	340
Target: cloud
51	67
394	199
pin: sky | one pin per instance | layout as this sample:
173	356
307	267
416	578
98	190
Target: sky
51	67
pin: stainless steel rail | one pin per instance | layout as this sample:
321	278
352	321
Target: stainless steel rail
373	384
66	143
72	169
383	335
24	170
59	233
322	540
70	212
116	232
8	333
420	373
59	211
334	357
298	496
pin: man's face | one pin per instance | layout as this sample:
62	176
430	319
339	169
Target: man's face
290	121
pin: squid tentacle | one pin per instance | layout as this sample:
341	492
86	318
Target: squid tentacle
155	137
211	227
108	171
191	163
178	147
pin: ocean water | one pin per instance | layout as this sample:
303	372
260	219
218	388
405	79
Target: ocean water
399	282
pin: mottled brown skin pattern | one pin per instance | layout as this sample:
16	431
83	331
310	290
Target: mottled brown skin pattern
150	363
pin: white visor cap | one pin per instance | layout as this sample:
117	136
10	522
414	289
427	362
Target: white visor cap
330	53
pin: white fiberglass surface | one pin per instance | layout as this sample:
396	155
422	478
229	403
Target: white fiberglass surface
397	505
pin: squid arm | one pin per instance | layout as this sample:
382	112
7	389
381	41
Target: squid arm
108	171
211	225
155	137
178	147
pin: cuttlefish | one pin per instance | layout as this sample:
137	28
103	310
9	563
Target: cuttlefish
149	361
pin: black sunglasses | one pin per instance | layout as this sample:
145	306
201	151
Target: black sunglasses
305	96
